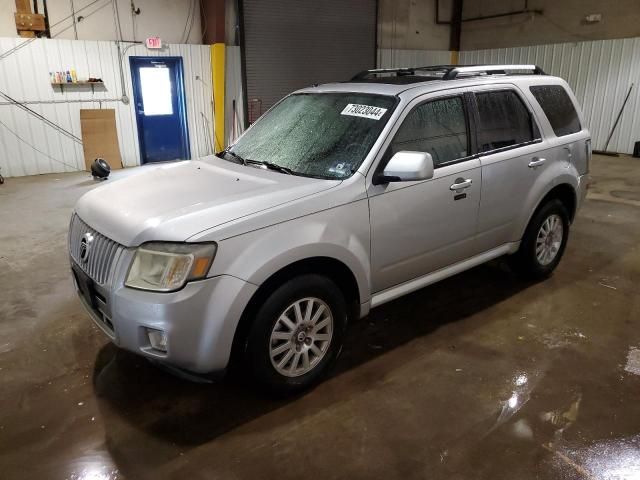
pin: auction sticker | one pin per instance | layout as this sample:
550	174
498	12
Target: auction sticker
365	111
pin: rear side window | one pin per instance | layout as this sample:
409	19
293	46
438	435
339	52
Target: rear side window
438	127
504	121
558	108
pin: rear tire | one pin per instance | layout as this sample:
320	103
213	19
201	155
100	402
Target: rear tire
543	243
297	334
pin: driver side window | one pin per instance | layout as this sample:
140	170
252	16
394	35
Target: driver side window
438	127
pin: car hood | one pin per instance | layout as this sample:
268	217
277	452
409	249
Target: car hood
173	202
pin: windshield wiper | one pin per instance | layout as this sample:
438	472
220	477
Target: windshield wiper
280	168
236	156
269	165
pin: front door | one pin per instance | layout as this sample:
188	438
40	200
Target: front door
420	227
158	91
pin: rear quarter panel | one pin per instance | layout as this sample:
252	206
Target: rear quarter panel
556	173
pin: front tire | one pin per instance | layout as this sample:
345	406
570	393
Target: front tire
543	243
297	334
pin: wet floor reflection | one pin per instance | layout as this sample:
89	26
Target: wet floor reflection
617	459
93	468
520	387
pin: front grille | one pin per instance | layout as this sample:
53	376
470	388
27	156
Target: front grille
95	303
103	251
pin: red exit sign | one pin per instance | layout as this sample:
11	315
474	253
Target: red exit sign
154	42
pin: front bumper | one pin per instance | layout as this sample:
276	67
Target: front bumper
200	320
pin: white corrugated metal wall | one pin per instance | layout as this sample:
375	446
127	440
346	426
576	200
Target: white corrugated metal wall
394	58
600	73
24	76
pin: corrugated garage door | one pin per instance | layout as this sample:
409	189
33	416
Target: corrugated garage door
291	44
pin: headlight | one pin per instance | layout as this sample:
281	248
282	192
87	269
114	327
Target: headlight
163	267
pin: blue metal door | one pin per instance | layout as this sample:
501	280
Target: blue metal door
158	91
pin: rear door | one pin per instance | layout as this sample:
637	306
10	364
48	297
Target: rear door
513	157
420	227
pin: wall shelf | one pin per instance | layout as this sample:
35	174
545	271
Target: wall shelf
71	85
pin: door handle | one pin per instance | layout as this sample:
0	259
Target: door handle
536	162
461	184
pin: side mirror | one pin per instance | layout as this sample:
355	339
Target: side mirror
406	167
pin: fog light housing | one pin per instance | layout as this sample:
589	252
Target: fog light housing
158	339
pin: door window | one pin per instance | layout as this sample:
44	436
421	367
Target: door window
558	108
155	83
504	121
438	127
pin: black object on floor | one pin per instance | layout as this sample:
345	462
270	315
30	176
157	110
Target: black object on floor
636	150
100	169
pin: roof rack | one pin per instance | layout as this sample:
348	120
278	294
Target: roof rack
404	71
449	72
491	69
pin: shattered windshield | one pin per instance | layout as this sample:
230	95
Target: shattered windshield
324	135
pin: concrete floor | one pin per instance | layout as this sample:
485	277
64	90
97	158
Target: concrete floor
480	376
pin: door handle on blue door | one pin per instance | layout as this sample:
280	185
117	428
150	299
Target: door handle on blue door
536	162
461	184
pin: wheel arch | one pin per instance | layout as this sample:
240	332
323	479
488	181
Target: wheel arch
330	267
565	192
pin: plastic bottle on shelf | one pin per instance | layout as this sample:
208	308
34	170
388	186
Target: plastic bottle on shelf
74	76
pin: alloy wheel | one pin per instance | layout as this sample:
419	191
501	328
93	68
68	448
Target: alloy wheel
549	239
301	337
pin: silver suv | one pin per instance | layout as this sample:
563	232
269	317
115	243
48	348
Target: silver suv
340	198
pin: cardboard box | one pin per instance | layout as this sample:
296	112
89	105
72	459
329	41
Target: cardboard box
100	137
